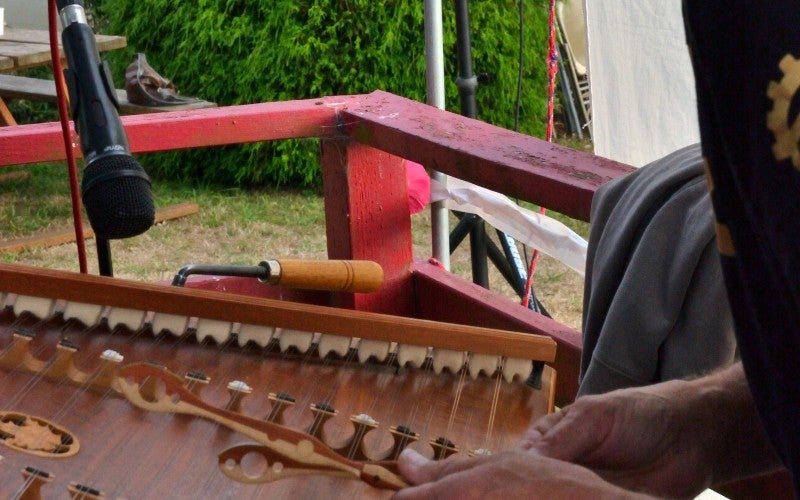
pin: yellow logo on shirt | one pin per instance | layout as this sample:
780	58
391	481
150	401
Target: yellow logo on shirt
724	240
787	135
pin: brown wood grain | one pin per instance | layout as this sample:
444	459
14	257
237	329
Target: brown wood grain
28	48
337	275
62	236
38	89
127	452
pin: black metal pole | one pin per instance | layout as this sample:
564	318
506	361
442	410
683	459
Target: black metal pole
104	257
467	84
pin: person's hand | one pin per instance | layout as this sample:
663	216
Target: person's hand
642	439
510	474
671	439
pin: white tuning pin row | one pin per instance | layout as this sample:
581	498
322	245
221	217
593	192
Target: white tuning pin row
301	341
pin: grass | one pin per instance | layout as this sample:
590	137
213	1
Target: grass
234	226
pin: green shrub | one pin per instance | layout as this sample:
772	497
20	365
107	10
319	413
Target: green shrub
247	51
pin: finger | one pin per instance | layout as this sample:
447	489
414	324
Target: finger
537	429
572	437
455	480
439	490
418	469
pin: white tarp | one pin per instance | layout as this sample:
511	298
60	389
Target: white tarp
641	79
526	226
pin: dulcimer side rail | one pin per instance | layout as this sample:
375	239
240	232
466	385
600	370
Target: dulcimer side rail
98	290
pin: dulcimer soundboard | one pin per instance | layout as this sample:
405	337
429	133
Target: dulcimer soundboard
120	389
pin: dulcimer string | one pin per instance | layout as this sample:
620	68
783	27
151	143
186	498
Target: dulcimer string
66	406
190	330
110	431
377	396
18	326
214	427
495	402
30	331
372	399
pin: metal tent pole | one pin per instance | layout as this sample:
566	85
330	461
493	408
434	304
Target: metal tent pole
434	78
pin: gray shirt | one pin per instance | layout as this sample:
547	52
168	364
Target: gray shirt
655	306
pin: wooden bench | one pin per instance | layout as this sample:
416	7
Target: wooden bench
37	89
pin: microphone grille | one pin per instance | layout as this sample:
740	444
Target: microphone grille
117	195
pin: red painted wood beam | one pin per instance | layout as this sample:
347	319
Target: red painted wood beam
367	218
521	166
187	129
443	296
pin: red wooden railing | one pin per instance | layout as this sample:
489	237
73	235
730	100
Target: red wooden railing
363	139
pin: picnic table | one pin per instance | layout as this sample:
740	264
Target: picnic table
26	48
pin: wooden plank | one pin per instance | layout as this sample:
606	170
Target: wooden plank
38	89
23	87
115	292
557	177
25	54
63	236
29	48
15	176
6	63
443	296
172	130
104	42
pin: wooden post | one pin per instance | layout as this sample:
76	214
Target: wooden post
367	218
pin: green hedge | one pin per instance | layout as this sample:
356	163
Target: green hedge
247	51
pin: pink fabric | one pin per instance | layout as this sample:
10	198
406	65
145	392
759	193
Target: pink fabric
419	187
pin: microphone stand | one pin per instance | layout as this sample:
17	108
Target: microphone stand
482	248
104	262
467	84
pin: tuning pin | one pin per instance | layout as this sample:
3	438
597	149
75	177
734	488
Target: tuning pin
443	448
195	381
280	402
84	492
238	390
34	480
354	448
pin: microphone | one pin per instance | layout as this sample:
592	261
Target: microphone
115	189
